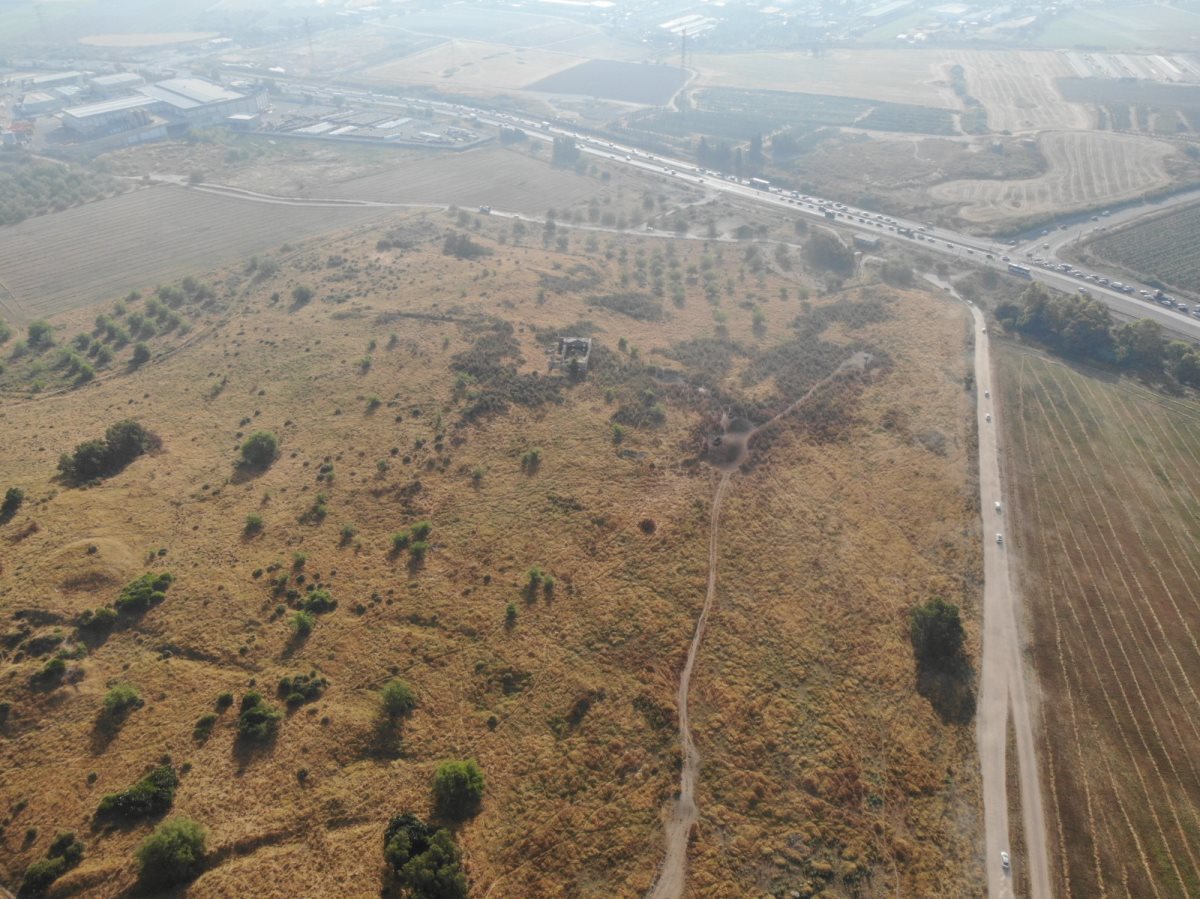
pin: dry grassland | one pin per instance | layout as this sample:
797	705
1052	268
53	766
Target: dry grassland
1084	170
80	256
472	66
818	766
1107	496
897	76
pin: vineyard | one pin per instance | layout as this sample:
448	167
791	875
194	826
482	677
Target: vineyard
1107	486
1165	248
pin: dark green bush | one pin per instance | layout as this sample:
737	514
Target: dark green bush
152	795
204	725
937	632
303	623
260	449
123	442
139	595
172	855
141	354
301	688
13	497
318	601
258	721
65	846
424	861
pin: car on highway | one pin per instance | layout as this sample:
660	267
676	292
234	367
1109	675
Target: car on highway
1000	538
997	505
987	394
987	417
1005	862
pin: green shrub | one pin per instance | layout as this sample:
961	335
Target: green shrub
421	530
204	726
348	533
417	551
260	449
301	295
458	789
40	875
400	541
224	701
139	595
303	623
141	354
172	855
152	795
258	721
120	700
424	861
318	601
51	673
398	698
301	688
254	524
65	846
40	334
97	621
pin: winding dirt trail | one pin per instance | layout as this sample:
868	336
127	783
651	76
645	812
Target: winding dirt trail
681	813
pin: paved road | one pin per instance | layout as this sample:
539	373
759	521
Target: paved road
1002	690
968	248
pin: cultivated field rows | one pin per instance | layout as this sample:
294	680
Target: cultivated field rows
1084	169
1108	495
1166	247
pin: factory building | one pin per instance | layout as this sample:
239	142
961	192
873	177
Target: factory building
175	102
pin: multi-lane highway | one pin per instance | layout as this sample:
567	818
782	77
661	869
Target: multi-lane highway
979	251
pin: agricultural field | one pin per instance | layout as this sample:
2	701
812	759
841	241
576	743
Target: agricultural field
341	52
626	82
542	616
1164	248
895	76
471	66
83	255
1132	27
1137	105
1104	493
1018	88
1083	170
896	174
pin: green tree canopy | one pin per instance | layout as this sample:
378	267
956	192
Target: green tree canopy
458	788
937	632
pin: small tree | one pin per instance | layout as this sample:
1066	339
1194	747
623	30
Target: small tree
937	632
40	334
458	789
141	354
260	449
172	855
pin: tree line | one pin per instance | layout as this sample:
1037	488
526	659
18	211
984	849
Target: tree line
1082	327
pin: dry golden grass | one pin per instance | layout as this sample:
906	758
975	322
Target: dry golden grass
805	704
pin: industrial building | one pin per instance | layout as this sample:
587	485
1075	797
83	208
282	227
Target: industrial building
174	102
116	85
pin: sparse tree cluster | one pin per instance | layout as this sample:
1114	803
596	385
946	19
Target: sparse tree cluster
93	459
